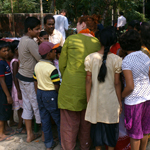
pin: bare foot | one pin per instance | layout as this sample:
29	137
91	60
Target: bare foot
4	137
33	137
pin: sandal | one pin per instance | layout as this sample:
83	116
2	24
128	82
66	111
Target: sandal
8	138
54	145
20	131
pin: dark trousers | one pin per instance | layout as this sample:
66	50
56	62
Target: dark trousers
47	102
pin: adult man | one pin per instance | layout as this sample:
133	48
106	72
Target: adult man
61	22
121	21
55	36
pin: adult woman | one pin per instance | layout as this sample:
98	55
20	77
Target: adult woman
72	93
136	70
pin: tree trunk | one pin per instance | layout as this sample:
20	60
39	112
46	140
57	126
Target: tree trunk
41	8
13	22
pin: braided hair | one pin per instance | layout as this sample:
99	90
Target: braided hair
107	39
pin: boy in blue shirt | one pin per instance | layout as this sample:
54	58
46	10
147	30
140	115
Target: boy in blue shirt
5	88
48	81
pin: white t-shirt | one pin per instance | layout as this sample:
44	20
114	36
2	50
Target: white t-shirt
121	21
61	24
139	64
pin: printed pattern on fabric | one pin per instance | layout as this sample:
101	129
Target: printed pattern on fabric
139	64
5	72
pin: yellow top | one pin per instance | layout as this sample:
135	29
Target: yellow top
46	75
103	105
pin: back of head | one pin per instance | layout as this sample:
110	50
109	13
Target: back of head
107	39
121	13
145	34
91	22
47	17
130	41
63	11
3	44
31	22
132	23
14	45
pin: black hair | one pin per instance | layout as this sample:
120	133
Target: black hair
121	13
63	11
47	17
130	41
145	34
31	22
107	39
44	56
138	27
3	44
42	33
133	23
14	45
58	49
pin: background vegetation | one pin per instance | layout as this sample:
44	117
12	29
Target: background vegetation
132	8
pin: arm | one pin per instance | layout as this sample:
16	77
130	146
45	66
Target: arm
149	73
15	66
88	85
35	86
129	83
33	48
118	89
55	79
5	89
63	58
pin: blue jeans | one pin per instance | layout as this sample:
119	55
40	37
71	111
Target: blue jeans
47	102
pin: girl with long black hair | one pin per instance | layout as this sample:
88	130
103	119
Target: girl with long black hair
103	90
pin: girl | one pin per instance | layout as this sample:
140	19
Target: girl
16	92
103	91
136	70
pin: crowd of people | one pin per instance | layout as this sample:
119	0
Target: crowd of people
95	85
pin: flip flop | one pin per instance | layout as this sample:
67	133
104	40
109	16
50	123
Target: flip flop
19	131
36	136
8	138
54	145
11	132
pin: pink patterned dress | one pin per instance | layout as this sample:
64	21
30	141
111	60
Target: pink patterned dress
17	104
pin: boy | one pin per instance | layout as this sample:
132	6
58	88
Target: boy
48	82
5	88
29	56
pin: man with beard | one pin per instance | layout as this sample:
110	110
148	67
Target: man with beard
54	35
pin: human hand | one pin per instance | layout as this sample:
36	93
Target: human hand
9	100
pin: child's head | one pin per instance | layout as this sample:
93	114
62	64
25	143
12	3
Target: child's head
4	47
57	48
130	41
44	37
14	47
32	26
46	51
107	39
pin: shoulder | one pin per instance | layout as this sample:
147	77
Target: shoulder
57	32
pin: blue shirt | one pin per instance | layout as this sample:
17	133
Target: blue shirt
5	72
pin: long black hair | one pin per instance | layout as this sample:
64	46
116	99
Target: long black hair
108	37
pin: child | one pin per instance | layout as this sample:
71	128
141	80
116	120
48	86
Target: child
48	84
5	88
44	36
16	92
28	57
56	61
103	90
136	70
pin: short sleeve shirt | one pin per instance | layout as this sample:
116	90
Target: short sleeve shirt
103	99
5	72
139	64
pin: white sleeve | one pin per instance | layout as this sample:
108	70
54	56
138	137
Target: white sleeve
66	23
